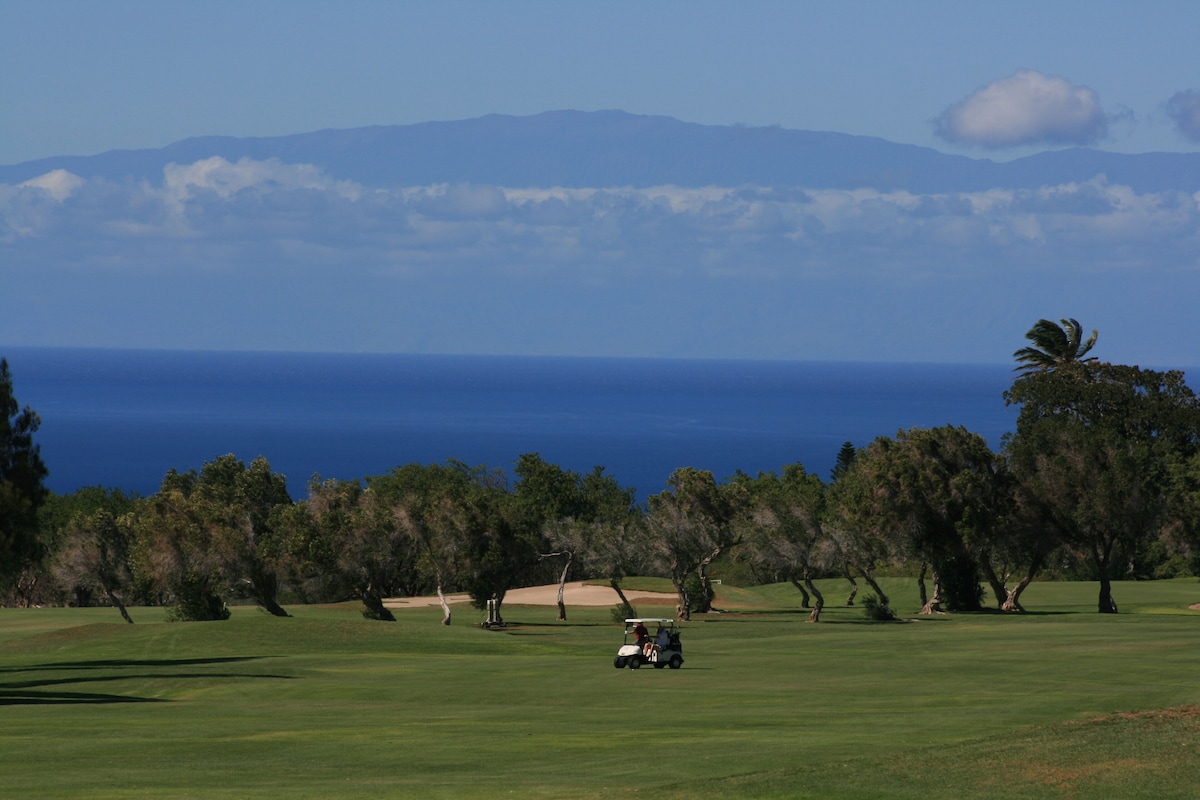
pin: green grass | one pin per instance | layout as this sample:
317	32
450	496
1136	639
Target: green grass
1062	702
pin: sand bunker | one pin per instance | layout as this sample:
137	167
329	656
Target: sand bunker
576	593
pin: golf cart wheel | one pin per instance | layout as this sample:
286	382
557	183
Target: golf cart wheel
635	662
676	662
618	662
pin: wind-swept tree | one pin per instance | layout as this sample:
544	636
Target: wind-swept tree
235	504
1094	449
173	553
95	556
431	505
784	534
691	523
1053	345
569	511
347	529
937	493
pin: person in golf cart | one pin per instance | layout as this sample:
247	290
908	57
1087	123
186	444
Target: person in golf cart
642	637
661	640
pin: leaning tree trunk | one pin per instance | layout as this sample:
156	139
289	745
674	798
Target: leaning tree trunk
562	585
998	584
921	585
815	616
1013	602
870	579
373	603
264	588
853	587
442	600
116	601
627	610
805	600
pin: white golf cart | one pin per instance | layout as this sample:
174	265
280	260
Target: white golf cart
661	648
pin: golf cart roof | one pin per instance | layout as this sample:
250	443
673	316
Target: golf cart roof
636	620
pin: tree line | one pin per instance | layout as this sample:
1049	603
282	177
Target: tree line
1100	480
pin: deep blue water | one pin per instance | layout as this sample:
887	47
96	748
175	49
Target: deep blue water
121	418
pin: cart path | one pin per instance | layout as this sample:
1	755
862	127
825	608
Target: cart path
576	593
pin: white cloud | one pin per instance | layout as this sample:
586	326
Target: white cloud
60	184
1024	109
225	179
252	214
1184	109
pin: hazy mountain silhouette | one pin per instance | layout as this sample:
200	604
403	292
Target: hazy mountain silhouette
614	148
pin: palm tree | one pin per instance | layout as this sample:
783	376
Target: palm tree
1054	345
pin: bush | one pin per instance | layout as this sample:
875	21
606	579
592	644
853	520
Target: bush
874	610
621	612
961	590
195	601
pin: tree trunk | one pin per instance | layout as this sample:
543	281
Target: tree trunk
442	600
562	585
805	601
853	587
264	588
998	584
1107	604
375	609
683	603
883	598
921	585
934	606
272	607
704	604
1102	559
1012	600
626	608
815	616
116	601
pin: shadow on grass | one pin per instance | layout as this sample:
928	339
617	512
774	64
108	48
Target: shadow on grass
67	698
27	692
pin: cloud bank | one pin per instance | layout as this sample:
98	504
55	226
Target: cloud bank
1025	108
268	255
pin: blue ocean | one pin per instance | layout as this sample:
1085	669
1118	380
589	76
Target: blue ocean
123	418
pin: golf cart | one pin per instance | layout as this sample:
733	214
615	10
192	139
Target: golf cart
662	648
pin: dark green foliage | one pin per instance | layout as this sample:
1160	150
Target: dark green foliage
21	481
196	600
875	610
1096	455
960	578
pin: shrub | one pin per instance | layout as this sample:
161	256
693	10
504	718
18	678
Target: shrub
874	610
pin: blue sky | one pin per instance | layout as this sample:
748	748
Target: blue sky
81	78
192	262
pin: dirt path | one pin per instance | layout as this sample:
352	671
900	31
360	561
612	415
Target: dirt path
577	593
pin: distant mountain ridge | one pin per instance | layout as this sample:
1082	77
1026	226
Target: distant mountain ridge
615	148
